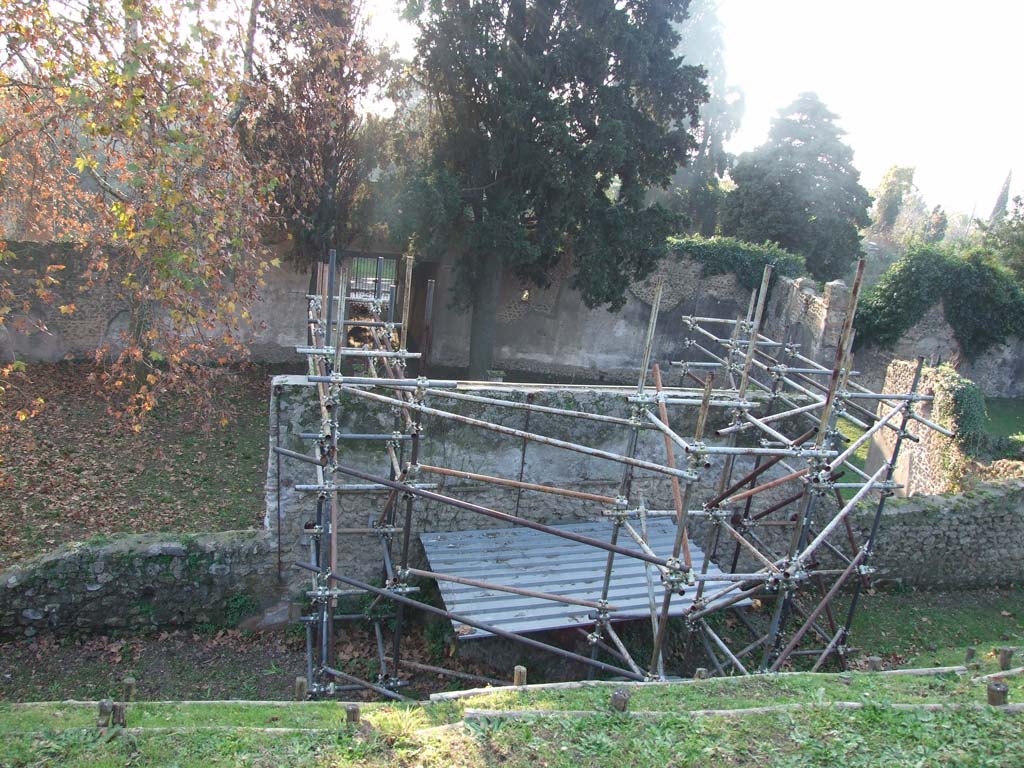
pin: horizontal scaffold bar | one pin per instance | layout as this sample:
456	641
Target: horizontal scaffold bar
331	352
522	434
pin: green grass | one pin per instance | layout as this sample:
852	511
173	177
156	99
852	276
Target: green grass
62	733
921	629
851	432
1005	418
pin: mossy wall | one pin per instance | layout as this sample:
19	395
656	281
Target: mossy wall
140	582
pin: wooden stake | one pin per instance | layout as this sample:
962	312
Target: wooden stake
119	715
106	708
301	688
1005	655
128	686
620	699
969	656
875	663
998	693
519	675
352	714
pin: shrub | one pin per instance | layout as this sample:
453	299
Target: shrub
727	255
981	301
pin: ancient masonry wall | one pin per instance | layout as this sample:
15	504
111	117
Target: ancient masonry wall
139	582
924	466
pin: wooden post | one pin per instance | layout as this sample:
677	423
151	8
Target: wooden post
119	715
620	699
875	663
106	708
998	693
128	687
519	675
301	688
969	656
352	714
701	673
1005	655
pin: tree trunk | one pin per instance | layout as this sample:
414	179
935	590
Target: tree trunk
484	323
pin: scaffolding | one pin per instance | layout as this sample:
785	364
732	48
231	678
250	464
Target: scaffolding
778	538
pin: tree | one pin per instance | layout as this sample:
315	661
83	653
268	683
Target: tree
999	209
302	125
114	136
896	184
934	229
696	186
1006	238
550	120
800	190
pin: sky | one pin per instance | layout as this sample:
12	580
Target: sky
926	83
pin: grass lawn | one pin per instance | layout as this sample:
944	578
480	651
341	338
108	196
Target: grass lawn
217	734
1005	418
851	432
74	477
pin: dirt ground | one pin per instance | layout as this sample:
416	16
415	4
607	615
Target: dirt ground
228	664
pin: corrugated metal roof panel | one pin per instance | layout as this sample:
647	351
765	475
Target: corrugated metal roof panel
529	559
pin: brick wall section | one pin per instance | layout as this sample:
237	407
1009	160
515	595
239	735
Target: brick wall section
139	582
41	333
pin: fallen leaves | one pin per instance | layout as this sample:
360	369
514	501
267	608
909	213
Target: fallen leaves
70	474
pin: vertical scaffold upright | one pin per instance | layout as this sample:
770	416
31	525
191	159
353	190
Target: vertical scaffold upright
778	538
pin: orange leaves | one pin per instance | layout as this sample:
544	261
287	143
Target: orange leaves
67	309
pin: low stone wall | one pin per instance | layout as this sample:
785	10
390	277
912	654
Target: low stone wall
140	582
973	539
948	541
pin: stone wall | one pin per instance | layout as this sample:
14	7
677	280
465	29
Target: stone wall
38	332
945	541
553	333
550	332
999	372
973	539
927	465
140	582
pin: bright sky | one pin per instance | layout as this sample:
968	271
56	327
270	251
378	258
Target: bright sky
928	83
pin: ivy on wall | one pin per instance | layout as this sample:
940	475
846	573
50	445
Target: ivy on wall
727	255
982	302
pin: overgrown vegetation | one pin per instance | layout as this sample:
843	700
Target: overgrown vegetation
982	303
727	255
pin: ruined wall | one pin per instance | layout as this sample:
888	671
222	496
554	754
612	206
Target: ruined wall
42	333
927	465
999	372
945	541
140	582
553	333
550	333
